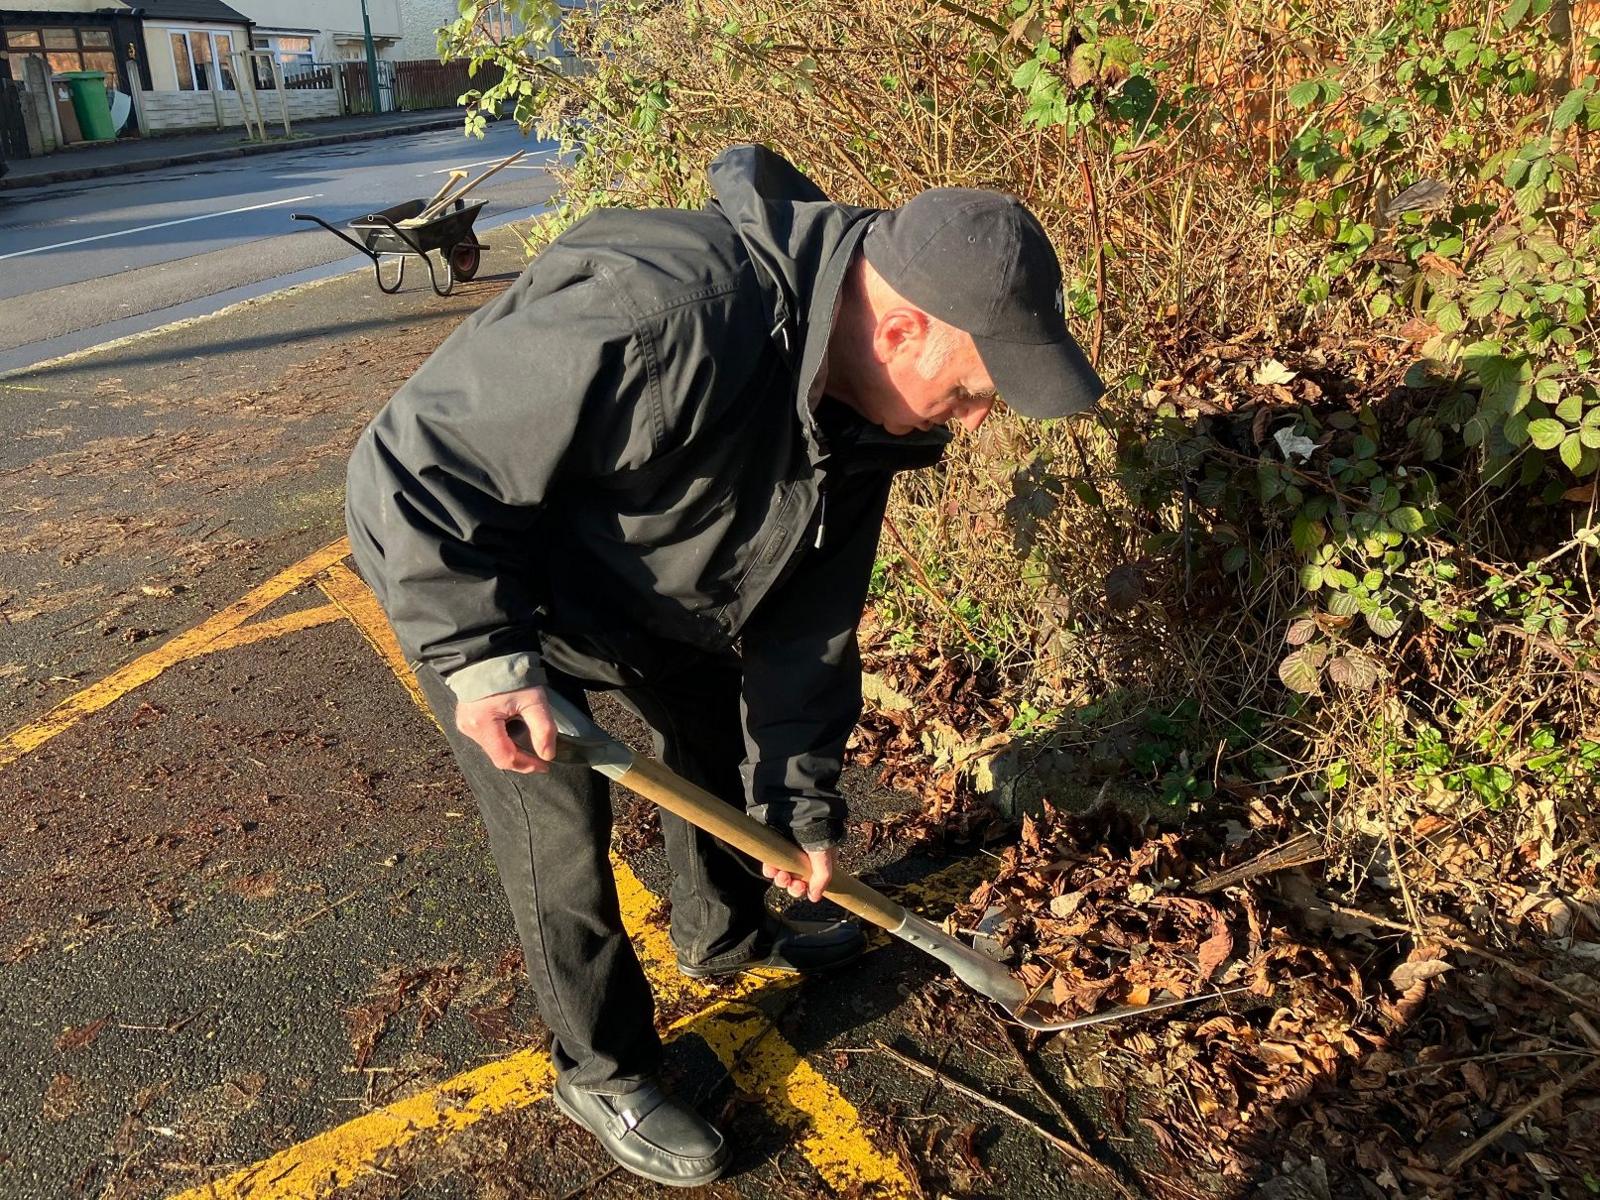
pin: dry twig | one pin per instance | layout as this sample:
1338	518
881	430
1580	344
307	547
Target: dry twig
1561	1087
1072	1152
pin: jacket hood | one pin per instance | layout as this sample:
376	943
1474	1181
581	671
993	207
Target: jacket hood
801	241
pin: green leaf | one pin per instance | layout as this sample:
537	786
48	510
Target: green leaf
1589	435
1383	623
1546	433
1549	391
1570	108
1311	577
1408	519
1572	452
1305	533
1338	577
1342	604
1236	558
1570	410
1482	305
1301	671
1449	319
1305	93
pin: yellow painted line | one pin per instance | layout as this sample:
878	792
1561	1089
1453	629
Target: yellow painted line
349	1152
261	631
797	1096
350	592
186	645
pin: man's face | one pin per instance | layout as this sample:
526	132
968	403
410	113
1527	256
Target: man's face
909	397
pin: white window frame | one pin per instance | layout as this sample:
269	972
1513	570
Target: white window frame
273	42
211	35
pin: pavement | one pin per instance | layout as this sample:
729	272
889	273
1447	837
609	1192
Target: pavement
152	153
251	940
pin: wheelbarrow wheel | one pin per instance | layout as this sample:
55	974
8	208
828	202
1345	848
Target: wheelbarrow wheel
464	260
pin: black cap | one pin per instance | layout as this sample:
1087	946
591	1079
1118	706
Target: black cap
980	261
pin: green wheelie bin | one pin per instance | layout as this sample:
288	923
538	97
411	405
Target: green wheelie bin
90	103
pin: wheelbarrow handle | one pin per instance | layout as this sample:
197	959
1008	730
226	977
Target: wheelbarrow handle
336	231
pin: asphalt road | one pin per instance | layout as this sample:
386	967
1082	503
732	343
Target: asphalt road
99	259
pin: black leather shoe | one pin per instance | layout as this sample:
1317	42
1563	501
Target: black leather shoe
650	1133
793	946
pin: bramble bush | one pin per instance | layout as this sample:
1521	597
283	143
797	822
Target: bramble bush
1341	263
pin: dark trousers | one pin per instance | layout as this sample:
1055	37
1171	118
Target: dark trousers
551	833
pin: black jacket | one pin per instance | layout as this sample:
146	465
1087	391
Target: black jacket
624	440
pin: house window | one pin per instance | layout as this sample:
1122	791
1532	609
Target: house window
291	51
63	48
200	60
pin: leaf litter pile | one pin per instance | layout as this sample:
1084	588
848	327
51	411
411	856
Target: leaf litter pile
1386	1063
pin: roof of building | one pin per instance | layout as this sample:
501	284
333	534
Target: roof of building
186	10
82	7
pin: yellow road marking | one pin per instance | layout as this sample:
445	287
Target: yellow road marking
350	592
346	1153
186	645
261	631
798	1097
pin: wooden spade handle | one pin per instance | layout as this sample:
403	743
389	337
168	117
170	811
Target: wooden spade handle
449	198
704	811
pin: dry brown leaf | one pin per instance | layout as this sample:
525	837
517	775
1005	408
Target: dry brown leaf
1409	974
77	1037
1214	951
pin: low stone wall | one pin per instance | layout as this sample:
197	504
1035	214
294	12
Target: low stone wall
166	112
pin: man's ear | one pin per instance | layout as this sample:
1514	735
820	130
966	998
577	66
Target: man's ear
900	331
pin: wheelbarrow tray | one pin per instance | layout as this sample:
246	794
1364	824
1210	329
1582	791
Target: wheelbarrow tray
382	233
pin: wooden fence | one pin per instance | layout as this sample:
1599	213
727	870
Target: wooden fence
13	129
407	86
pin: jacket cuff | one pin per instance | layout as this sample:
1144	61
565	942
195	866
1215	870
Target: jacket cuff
819	835
508	673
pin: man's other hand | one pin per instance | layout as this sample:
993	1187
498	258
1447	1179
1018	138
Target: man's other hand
515	729
821	875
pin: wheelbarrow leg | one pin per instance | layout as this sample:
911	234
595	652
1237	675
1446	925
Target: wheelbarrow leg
399	273
433	276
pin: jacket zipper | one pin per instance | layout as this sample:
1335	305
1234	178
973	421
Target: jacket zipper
822	520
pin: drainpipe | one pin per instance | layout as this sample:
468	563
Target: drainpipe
372	60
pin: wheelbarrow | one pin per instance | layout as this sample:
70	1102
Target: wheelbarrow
581	740
449	235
